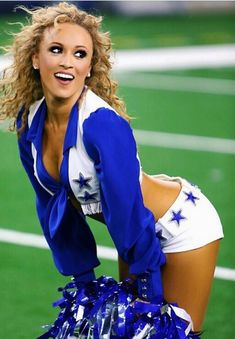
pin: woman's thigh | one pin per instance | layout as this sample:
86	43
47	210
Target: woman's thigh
187	280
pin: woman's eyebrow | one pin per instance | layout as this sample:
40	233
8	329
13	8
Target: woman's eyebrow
59	43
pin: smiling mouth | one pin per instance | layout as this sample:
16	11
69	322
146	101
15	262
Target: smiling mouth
64	76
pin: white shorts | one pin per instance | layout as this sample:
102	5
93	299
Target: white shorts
191	222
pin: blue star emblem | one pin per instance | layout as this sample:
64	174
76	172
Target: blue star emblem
191	197
89	196
82	181
177	216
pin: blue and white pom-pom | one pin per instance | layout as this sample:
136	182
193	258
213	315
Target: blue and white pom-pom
106	309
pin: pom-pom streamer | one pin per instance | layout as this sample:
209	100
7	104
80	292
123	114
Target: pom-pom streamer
105	309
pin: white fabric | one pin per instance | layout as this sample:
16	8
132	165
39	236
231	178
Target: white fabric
80	163
201	226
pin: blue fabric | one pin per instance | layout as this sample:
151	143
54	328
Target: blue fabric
109	141
66	231
104	308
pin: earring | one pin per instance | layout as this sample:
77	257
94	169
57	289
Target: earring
35	66
88	75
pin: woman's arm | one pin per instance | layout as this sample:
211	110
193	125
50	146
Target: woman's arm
109	142
73	246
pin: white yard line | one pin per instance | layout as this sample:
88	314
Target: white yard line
225	273
108	253
186	57
5	61
176	83
38	241
178	141
168	58
184	141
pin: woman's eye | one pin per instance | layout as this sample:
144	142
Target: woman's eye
80	54
55	49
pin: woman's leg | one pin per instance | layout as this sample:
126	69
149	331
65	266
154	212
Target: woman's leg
187	280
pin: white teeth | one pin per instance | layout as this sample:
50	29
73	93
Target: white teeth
64	76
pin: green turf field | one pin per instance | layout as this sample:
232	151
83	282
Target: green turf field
28	277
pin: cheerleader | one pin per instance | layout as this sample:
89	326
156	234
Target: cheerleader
78	149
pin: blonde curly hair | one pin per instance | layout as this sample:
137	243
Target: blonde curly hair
20	84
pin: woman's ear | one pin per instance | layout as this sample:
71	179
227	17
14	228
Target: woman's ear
89	73
35	61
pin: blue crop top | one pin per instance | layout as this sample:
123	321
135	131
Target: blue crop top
100	167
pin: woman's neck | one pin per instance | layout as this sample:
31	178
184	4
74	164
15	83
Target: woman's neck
58	113
58	109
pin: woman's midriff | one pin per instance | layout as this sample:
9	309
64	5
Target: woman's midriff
159	195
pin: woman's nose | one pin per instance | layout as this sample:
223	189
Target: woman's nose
66	60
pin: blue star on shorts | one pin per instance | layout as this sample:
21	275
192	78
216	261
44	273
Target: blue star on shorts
177	216
191	197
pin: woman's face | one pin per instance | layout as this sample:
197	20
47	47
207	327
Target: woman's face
64	61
